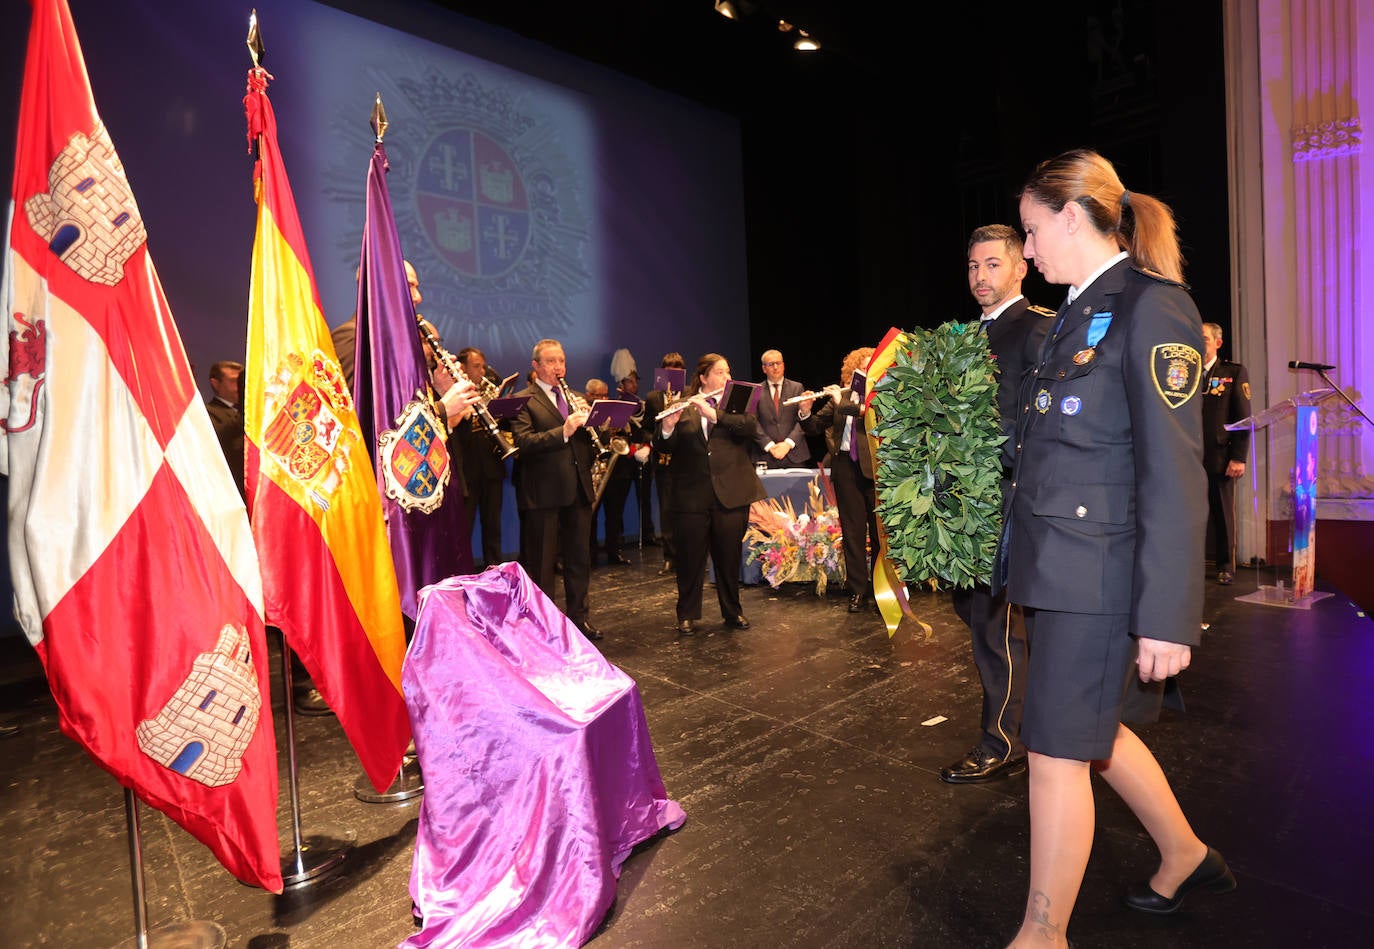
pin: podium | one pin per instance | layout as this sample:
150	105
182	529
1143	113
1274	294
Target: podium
1302	408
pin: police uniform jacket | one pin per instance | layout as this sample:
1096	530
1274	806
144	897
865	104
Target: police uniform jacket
548	471
1014	339
1226	399
1109	501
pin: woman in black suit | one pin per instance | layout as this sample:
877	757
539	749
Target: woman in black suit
714	483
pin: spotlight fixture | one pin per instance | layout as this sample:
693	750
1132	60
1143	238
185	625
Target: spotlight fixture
805	42
727	9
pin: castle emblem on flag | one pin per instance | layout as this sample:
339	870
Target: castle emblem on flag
415	462
206	725
88	215
305	433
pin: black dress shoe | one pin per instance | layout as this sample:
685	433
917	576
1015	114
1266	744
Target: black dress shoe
856	603
686	627
737	622
982	765
1225	577
591	632
667	569
311	702
1211	874
617	559
8	731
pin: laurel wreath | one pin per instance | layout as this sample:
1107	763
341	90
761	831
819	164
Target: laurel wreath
939	466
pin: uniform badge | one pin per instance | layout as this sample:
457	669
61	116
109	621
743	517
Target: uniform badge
1042	401
1176	369
1071	405
414	457
1084	356
1245	390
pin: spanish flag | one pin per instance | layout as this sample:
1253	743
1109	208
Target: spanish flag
327	575
135	578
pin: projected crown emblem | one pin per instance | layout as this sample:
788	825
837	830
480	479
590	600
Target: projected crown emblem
472	203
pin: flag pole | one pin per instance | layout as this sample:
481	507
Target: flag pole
196	934
409	782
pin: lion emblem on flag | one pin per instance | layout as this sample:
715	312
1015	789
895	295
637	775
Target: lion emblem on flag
414	457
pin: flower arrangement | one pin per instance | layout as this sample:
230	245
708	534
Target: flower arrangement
791	546
939	457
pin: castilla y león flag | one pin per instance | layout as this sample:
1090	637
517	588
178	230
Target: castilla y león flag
134	571
327	576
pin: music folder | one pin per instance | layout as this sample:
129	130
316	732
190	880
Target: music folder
665	379
506	406
739	398
507	385
611	412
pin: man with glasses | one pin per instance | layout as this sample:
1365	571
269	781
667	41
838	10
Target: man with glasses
780	442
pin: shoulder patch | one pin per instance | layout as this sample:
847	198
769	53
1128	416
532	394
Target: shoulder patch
1040	310
1176	369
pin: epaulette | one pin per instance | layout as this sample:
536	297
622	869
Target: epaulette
1040	310
1156	275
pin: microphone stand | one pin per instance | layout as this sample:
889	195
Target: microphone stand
1339	392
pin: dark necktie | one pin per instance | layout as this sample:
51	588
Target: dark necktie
983	326
560	402
854	428
777	399
705	422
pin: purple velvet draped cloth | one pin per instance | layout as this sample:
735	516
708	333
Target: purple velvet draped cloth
539	774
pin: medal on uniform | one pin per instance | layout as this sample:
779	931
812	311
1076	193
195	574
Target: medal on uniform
1084	356
1071	405
1042	401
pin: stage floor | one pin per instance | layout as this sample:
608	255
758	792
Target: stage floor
804	755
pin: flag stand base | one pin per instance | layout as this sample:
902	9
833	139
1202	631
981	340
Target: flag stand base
318	856
198	934
409	783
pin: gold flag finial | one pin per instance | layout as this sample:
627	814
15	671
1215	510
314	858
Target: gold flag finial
378	118
255	47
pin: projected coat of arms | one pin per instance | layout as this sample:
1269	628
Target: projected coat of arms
490	184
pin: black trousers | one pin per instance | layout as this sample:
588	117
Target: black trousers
546	533
484	507
998	636
719	531
613	499
663	486
855	500
1221	519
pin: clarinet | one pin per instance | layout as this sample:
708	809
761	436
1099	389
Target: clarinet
500	443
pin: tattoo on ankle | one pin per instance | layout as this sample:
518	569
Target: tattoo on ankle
1039	914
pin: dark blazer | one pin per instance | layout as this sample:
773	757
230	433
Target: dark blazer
1015	338
715	469
779	426
228	423
1226	399
829	419
548	472
1109	501
478	451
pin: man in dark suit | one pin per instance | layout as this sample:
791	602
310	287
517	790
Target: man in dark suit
1226	399
553	483
851	474
780	442
1015	331
484	470
659	459
226	415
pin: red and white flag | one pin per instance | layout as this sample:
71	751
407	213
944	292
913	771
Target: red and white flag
134	570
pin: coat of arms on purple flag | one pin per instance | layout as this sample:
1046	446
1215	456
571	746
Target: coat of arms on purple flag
423	507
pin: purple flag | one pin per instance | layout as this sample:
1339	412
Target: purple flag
420	485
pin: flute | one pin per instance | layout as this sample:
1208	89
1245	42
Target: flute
681	404
808	394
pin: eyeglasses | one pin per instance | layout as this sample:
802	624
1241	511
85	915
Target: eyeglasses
776	363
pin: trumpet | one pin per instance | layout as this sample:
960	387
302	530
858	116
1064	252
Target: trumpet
682	403
606	456
501	441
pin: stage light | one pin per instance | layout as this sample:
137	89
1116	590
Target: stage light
805	42
727	9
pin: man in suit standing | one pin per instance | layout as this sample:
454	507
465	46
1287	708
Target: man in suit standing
1226	399
553	484
227	415
484	470
659	459
780	441
1015	331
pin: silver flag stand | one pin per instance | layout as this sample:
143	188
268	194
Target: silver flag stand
196	934
409	783
319	855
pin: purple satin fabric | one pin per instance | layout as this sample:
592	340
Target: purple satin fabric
540	777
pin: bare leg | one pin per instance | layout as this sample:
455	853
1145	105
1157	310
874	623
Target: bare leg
1134	774
1062	819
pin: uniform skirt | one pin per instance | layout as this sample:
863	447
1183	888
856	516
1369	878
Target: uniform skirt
1079	674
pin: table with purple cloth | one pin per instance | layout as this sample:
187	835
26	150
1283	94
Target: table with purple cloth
540	777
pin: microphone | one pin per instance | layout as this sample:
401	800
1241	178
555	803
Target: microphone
1314	366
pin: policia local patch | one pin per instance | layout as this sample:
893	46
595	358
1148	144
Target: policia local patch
1177	370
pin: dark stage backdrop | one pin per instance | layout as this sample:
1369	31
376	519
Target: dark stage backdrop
536	194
